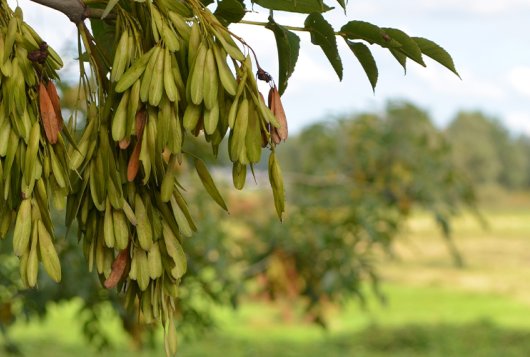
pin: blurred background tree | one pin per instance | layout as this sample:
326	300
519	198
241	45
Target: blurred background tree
487	152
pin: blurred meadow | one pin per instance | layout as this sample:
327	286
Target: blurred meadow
431	308
393	245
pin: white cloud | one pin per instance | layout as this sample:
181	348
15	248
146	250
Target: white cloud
440	80
519	79
518	121
311	70
479	7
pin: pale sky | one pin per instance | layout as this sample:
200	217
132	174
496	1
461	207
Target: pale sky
488	40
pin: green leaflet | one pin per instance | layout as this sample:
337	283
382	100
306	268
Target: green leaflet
408	46
288	45
342	4
361	30
104	33
208	183
323	35
437	53
302	6
364	55
229	11
400	45
400	57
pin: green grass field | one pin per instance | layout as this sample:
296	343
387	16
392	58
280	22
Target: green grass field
433	308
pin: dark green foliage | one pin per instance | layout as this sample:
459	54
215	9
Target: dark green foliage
302	6
399	44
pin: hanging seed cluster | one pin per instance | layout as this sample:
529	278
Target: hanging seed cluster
175	71
33	168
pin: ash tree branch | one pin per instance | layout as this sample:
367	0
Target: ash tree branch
75	10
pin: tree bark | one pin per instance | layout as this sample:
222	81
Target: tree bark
75	10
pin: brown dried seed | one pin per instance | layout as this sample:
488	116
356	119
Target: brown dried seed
118	269
48	116
141	119
56	102
279	113
134	161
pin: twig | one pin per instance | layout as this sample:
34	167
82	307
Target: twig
259	23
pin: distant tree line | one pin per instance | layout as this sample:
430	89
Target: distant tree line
482	148
487	152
